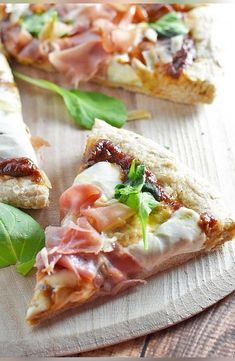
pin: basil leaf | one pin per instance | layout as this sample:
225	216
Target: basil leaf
133	194
150	188
146	204
169	25
34	23
85	106
21	238
97	105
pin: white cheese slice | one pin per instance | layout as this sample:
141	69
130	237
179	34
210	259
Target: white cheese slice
105	175
176	43
151	35
16	11
123	74
180	234
163	54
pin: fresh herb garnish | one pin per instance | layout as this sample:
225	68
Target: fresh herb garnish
21	238
133	195
85	106
34	23
169	25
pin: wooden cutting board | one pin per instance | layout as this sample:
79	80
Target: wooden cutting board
203	138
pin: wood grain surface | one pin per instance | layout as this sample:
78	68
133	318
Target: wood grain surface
203	138
211	333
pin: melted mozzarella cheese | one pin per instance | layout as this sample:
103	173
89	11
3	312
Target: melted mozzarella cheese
180	234
123	74
176	43
103	174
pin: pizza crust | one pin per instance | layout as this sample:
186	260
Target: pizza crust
23	192
198	82
178	181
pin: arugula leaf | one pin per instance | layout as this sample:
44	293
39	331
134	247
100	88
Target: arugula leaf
133	194
147	203
85	106
169	25
21	238
34	23
136	174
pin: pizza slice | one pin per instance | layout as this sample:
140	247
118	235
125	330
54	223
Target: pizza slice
132	211
164	50
22	183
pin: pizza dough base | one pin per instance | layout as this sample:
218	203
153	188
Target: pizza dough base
198	82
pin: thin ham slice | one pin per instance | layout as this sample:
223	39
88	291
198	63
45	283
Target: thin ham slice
80	237
85	268
33	52
122	39
14	37
76	197
77	245
108	217
46	260
53	236
80	63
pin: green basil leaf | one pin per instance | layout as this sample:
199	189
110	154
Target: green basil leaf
34	23
97	105
85	106
21	238
134	194
146	204
169	25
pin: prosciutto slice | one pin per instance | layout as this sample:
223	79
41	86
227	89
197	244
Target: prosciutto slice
80	63
80	237
78	246
108	217
76	197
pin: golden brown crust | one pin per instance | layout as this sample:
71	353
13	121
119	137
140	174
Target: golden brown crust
177	180
198	82
24	192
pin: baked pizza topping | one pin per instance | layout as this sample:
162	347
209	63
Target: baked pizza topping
81	40
20	167
182	58
92	239
105	150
